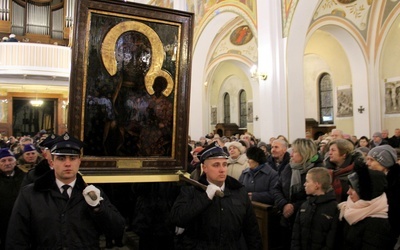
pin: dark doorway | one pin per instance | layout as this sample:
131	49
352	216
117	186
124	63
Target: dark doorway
29	120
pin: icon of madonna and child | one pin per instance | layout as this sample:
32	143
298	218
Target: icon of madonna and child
129	109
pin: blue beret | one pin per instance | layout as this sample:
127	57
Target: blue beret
5	152
211	152
66	144
29	147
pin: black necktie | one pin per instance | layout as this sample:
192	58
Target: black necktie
65	193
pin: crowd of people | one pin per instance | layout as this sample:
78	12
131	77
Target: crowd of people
332	192
335	192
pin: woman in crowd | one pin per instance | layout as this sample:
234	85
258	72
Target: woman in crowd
259	178
363	142
289	191
383	158
365	213
237	161
340	162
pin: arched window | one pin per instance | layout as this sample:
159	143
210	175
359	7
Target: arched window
243	109
227	110
325	99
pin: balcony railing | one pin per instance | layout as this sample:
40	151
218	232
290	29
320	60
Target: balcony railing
25	59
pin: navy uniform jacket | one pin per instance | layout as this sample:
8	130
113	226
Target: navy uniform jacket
43	218
217	223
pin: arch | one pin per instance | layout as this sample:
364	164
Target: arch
354	47
297	39
203	77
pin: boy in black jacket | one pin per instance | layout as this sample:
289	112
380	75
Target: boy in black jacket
316	221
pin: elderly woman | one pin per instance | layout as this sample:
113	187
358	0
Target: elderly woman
259	178
365	213
341	160
289	191
383	158
237	161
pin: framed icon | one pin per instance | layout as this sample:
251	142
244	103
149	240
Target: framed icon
130	85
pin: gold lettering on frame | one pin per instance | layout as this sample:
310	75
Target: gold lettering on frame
129	163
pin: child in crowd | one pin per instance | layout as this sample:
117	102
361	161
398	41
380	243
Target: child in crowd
316	221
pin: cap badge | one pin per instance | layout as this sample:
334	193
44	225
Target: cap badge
66	137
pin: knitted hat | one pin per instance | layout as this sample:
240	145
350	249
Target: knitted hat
5	152
368	183
29	147
256	154
212	151
261	143
237	145
364	150
377	134
384	154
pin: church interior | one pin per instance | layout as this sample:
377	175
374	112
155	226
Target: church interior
265	67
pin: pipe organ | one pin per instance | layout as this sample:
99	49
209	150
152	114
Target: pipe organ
49	19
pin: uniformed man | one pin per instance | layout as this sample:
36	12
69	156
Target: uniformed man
59	210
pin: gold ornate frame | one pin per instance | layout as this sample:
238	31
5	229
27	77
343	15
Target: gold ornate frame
121	52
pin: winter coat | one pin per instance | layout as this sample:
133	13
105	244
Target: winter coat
236	166
9	189
282	165
217	223
316	223
41	168
281	191
393	196
26	166
43	218
260	183
368	234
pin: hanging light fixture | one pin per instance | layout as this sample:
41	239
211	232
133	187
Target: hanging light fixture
36	102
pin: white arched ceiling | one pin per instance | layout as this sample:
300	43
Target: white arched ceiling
198	125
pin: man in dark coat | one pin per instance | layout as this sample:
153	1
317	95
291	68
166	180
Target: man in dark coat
279	157
10	183
211	221
59	210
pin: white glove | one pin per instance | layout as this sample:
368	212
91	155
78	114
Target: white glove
179	230
92	195
211	189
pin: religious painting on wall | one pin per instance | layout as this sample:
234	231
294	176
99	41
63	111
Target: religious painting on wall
344	102
250	111
392	97
130	85
241	35
213	115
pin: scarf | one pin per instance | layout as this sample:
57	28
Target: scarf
336	184
354	212
297	171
